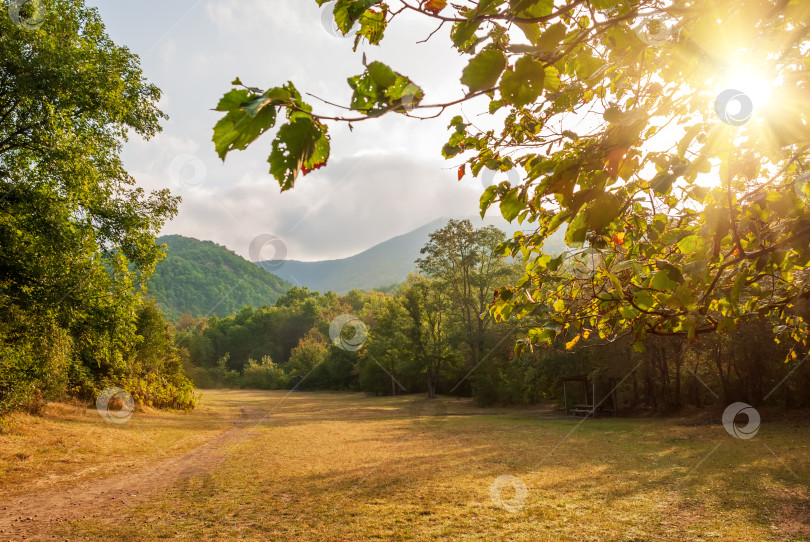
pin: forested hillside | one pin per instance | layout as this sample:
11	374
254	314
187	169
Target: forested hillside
203	279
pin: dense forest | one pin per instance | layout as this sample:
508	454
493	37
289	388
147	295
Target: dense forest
435	335
200	278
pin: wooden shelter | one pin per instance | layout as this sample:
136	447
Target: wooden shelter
598	399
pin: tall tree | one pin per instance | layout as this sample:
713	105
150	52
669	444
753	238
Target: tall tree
467	267
430	329
77	238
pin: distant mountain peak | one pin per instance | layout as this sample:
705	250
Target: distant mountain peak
381	265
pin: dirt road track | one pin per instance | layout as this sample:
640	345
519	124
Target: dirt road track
32	517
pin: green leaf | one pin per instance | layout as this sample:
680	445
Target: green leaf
727	324
372	27
484	70
686	140
575	234
511	205
643	300
673	271
464	31
692	244
552	80
532	8
294	147
487	198
552	37
382	75
531	31
380	89
662	183
347	12
661	281
603	4
584	65
233	100
238	129
737	287
523	85
603	211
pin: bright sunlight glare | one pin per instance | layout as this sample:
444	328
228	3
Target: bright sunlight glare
752	82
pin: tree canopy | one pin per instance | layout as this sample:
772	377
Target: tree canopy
668	139
77	238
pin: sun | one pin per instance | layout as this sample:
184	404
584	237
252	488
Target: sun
753	83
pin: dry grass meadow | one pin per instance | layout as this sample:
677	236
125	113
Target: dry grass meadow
249	465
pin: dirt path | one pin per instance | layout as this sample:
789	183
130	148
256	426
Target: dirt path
32	517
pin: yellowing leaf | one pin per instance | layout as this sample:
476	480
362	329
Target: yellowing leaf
435	6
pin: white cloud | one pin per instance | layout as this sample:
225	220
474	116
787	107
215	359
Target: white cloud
384	178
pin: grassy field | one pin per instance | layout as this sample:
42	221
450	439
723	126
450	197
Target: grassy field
319	466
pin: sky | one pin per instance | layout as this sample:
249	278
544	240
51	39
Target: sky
384	178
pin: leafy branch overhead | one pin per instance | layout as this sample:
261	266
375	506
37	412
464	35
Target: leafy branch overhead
684	215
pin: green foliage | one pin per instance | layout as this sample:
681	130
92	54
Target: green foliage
701	224
201	278
76	237
264	375
433	335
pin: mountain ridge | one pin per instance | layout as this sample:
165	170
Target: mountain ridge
379	266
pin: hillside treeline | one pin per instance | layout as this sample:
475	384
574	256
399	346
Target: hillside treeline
429	337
